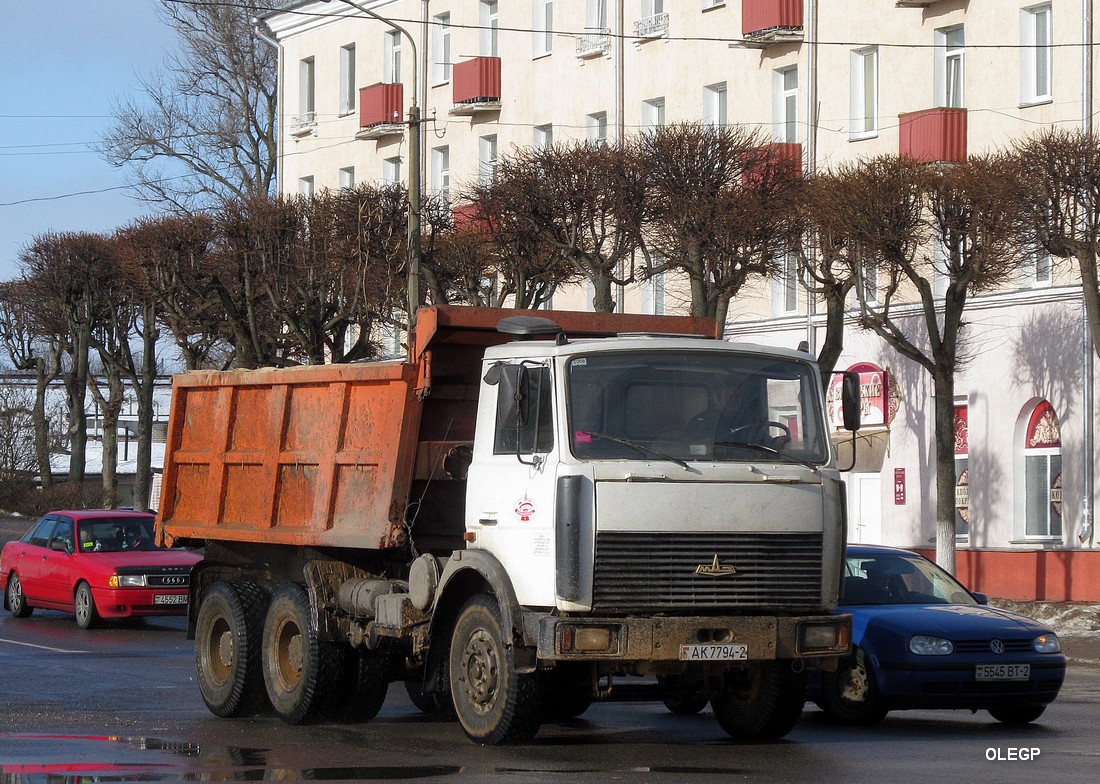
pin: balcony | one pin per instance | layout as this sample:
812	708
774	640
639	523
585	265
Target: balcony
768	22
303	124
476	86
595	43
933	135
380	110
771	164
651	27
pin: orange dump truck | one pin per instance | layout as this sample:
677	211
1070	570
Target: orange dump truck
533	512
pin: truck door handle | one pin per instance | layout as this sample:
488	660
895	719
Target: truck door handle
487	521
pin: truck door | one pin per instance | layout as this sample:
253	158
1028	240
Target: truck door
510	486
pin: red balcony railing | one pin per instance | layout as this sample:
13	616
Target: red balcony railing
380	104
477	80
760	15
933	135
771	164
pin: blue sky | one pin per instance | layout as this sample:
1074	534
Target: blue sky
64	63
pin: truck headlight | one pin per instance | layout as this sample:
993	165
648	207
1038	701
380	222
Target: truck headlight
817	637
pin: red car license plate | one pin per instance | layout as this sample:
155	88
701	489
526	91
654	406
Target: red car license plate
1002	672
170	598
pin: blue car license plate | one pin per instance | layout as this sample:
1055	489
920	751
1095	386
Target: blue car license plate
1002	672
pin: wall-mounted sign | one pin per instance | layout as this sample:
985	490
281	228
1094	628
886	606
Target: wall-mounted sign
879	401
899	487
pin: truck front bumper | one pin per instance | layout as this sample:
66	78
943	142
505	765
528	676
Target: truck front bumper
694	638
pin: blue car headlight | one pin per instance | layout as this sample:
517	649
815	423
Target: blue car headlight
1047	643
924	645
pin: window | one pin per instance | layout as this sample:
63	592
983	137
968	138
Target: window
542	26
713	4
597	127
391	171
63	535
347	79
1042	455
490	34
1036	50
441	172
596	16
392	68
347	177
653	114
785	287
962	472
544	136
487	159
40	534
949	67
305	187
441	49
785	105
868	282
653	295
714	105
1037	272
864	93
528	426
306	94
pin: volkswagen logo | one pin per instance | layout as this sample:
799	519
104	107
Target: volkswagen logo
996	646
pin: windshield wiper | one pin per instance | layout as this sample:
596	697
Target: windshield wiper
782	456
645	450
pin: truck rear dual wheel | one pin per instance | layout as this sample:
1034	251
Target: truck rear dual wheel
228	637
494	703
302	673
763	703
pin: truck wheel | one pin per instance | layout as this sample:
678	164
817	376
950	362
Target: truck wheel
680	698
849	696
764	704
494	703
228	635
301	672
84	607
432	703
368	679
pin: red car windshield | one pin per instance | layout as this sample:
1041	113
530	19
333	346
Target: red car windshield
115	535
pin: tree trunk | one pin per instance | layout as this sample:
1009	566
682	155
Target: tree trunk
833	345
143	475
1090	292
41	424
77	392
944	385
602	301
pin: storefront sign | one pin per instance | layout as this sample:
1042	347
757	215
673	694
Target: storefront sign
878	406
899	487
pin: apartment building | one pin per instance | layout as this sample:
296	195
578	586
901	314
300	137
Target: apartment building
839	80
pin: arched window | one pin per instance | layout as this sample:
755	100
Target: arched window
1043	474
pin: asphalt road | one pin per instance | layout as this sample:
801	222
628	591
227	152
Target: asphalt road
120	704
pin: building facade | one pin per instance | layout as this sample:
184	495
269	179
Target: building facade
932	80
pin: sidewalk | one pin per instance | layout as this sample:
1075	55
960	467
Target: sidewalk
1077	626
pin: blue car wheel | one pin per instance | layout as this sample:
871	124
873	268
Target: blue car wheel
850	695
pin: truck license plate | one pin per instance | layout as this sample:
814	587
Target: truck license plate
170	598
714	652
1002	672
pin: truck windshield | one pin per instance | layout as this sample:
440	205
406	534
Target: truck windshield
694	406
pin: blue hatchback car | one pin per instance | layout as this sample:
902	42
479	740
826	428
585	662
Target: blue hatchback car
922	640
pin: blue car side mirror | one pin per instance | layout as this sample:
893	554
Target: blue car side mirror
981	597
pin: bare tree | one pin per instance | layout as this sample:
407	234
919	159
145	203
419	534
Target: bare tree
203	129
584	200
32	347
719	206
937	236
1061	169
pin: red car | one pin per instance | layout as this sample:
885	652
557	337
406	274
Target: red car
99	563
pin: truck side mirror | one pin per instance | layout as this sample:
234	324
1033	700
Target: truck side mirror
850	403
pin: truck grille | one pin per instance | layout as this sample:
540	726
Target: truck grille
661	571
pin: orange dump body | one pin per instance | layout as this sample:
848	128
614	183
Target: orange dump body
329	455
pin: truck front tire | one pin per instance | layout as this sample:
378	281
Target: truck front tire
494	703
228	636
762	703
301	672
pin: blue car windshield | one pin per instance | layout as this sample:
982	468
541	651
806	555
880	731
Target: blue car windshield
891	578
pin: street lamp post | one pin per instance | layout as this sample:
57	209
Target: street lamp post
414	189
